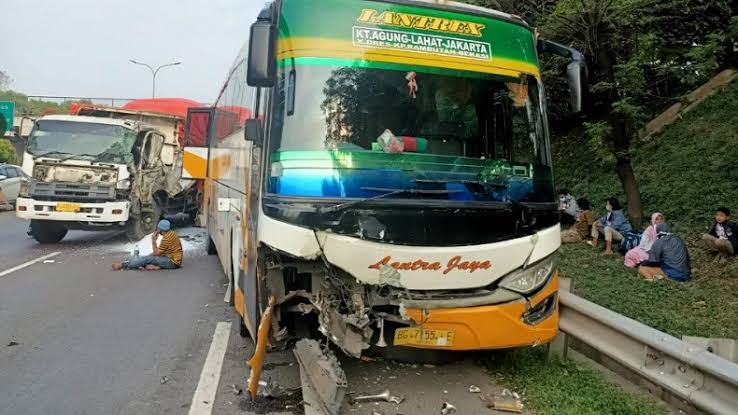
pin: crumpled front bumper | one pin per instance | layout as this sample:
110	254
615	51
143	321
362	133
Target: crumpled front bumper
496	326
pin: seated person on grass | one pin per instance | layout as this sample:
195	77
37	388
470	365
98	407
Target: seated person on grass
614	225
165	255
639	254
583	225
568	207
668	257
723	236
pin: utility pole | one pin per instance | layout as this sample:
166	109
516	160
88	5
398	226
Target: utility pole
154	72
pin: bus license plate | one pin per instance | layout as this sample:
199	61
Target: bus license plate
67	207
424	337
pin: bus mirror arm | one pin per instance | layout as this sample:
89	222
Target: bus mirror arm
576	70
254	132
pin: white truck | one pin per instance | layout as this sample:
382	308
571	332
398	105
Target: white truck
117	169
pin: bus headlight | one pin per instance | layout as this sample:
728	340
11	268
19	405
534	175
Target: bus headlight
526	280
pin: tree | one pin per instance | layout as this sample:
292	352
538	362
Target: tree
4	80
7	152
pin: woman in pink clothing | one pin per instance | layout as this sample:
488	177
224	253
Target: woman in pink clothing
640	253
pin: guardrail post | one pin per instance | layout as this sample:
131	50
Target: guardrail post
559	346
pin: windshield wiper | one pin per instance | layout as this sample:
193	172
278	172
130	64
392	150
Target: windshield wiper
390	192
35	156
71	156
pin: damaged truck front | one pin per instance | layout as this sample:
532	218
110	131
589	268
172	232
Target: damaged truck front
390	185
96	173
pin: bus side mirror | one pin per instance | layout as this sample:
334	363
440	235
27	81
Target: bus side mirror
254	132
576	75
576	70
262	69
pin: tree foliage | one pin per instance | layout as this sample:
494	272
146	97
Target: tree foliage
7	152
643	56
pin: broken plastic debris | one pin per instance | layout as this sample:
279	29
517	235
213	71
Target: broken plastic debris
164	380
12	343
474	389
447	409
49	261
236	390
507	403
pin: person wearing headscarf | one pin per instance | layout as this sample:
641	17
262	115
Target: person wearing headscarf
640	253
668	257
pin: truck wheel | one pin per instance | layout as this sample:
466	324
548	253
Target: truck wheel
47	232
143	224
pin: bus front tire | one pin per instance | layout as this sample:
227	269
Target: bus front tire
212	250
47	232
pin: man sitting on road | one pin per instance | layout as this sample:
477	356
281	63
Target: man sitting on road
166	255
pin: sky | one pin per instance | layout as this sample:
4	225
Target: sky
83	47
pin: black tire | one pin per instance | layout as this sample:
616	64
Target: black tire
143	224
212	250
242	330
47	232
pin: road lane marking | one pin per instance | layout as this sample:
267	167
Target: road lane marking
202	400
227	297
31	262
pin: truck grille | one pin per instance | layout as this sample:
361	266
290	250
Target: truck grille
72	191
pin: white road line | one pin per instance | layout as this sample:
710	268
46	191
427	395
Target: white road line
227	297
25	264
202	401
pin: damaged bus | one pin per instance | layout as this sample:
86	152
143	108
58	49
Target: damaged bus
380	172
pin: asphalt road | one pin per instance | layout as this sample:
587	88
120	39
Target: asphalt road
78	338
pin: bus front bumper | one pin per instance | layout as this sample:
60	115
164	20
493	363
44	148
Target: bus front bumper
515	324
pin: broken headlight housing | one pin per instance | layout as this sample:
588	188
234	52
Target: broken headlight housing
527	280
124	184
25	189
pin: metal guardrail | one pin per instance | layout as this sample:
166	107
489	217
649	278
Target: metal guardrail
700	378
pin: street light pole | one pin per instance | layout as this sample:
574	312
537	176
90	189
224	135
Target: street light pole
154	72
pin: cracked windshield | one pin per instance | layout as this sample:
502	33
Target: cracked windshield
475	136
89	141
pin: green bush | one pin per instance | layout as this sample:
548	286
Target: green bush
7	152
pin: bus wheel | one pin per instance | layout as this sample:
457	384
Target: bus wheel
47	232
212	250
243	331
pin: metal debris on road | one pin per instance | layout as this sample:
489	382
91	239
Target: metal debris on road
323	381
164	380
236	390
447	409
385	396
474	389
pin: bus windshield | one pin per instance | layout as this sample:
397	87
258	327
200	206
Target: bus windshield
82	140
360	131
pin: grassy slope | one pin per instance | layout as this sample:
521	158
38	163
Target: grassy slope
685	172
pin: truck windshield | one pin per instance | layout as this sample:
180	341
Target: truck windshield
357	131
83	140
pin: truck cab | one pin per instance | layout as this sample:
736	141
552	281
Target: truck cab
92	173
